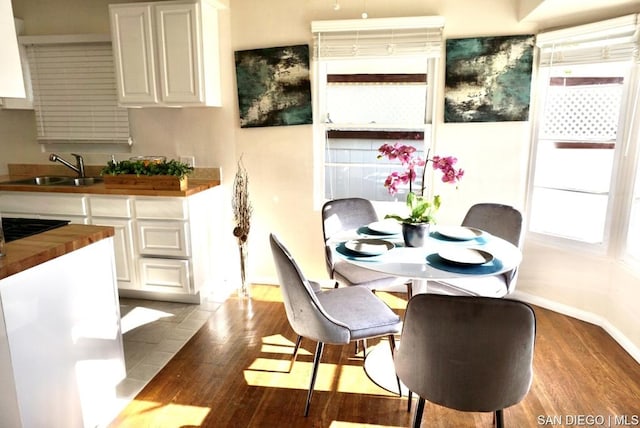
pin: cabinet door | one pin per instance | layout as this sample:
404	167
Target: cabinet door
164	275
134	56
163	238
123	250
179	52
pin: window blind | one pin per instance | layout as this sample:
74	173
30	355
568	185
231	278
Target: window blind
380	37
605	41
75	96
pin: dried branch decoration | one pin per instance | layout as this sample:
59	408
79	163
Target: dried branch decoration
241	204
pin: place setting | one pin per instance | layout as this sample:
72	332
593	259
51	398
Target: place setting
380	229
459	234
465	260
364	247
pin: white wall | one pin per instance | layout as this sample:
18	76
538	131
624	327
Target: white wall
279	159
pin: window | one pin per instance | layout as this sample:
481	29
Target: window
74	92
583	82
632	248
374	85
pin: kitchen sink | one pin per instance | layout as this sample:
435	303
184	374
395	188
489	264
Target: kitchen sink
55	181
86	181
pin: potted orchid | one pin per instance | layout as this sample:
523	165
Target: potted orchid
422	209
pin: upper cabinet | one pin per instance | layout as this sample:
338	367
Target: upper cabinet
11	81
166	53
25	102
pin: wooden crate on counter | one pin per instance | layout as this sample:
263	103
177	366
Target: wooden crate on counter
146	182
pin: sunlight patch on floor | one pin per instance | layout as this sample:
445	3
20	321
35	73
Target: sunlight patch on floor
139	412
140	316
394	301
270	373
278	344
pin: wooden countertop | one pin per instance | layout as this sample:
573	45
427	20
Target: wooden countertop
26	253
195	186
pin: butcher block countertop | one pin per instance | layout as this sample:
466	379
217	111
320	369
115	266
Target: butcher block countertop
195	186
201	179
26	253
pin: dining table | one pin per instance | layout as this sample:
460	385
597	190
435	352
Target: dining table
448	252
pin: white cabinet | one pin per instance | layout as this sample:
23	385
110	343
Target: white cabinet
166	248
59	206
25	103
164	275
11	81
116	211
61	350
163	236
166	53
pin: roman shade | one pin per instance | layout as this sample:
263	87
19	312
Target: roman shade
74	90
605	41
380	37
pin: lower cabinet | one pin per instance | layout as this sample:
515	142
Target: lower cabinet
165	275
156	245
124	251
164	246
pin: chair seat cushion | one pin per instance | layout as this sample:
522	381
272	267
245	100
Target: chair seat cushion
349	274
364	313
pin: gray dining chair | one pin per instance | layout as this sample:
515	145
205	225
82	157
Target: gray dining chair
347	214
503	221
473	354
334	316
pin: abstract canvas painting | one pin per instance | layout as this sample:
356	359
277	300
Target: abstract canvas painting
273	86
488	79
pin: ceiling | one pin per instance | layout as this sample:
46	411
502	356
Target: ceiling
554	12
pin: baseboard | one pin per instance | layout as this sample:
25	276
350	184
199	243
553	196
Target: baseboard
165	297
586	316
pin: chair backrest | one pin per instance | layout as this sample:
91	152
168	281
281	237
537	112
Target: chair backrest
503	221
344	214
467	353
304	311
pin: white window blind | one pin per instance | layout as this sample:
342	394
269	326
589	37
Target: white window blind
380	37
75	96
611	40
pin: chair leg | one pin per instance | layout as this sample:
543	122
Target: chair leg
409	290
314	373
409	401
499	416
417	417
295	351
392	344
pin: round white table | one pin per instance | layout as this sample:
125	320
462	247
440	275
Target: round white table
421	265
424	263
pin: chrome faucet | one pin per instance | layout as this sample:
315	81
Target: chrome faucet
78	168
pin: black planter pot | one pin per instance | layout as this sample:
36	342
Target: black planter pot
415	234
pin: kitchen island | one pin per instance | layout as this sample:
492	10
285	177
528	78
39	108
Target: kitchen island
61	352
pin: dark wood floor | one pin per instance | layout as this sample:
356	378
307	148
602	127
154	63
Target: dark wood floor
235	373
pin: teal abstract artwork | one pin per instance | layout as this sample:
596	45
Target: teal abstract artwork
273	86
488	79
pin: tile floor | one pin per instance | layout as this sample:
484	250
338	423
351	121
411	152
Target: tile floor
153	332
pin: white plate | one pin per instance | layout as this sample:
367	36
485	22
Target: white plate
369	247
459	232
466	256
387	227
